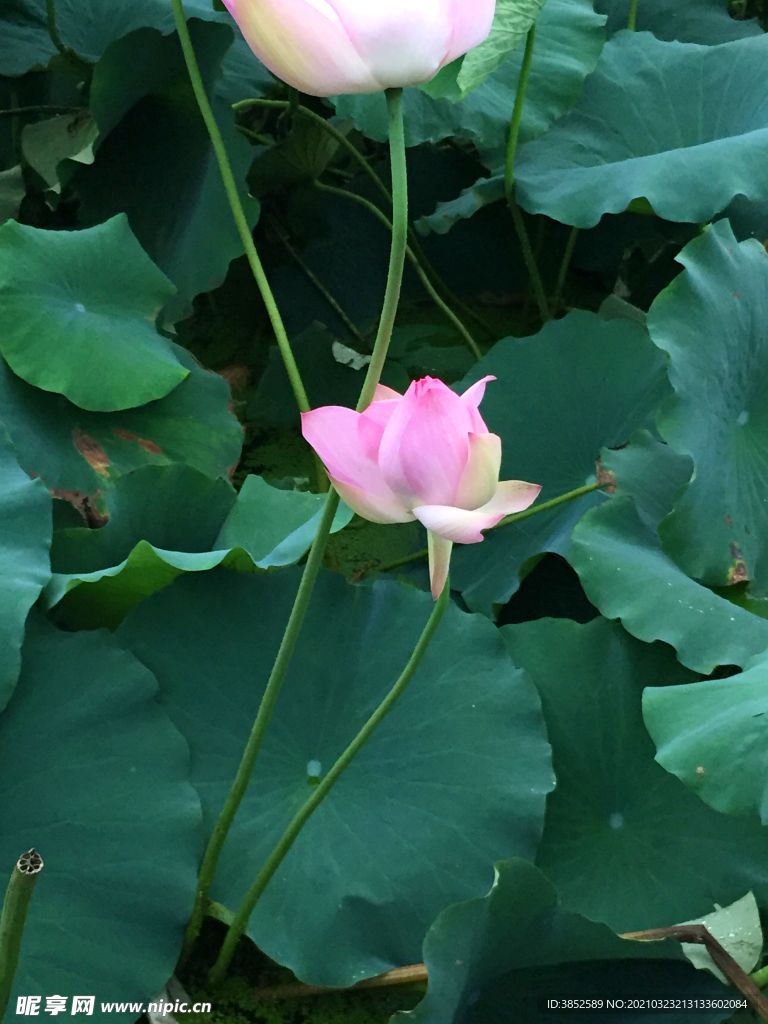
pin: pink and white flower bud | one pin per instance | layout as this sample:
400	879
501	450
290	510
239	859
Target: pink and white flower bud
327	47
425	455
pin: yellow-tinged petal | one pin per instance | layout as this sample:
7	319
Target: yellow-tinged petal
439	562
481	477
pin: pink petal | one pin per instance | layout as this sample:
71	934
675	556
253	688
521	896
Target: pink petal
472	398
471	20
380	412
348	444
439	562
383	393
305	43
481	477
511	496
424	449
402	42
465	527
376	509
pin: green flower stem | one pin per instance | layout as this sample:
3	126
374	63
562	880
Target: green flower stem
530	260
230	186
398	250
428	286
355	153
509	178
517	111
516	518
258	731
301	817
632	17
579	492
15	906
570	245
314	560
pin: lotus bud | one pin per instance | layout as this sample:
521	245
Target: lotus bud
425	455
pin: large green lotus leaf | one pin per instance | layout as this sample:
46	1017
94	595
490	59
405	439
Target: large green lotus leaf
569	38
166	520
689	21
415	822
25	538
77	450
87	26
710	322
712	736
624	841
665	121
580	384
491	959
106	799
175	507
142	101
625	573
77	315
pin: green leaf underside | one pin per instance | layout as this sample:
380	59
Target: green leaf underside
618	555
737	929
25	537
597	381
713	738
569	40
665	121
100	575
46	144
96	778
364	880
491	959
77	450
624	841
709	322
511	22
77	312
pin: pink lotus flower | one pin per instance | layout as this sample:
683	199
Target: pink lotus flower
326	47
425	455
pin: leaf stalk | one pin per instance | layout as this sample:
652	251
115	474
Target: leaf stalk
526	514
14	915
